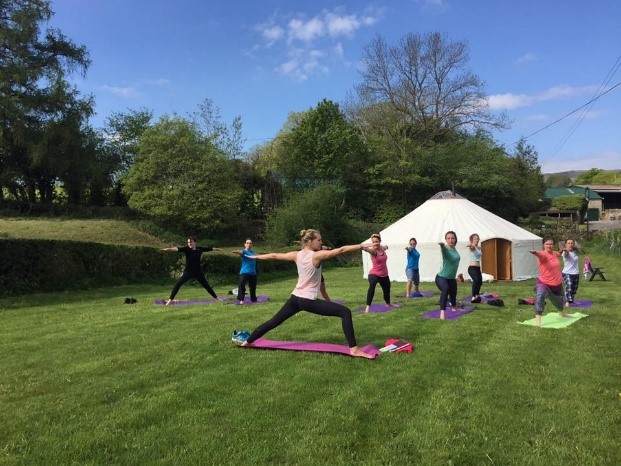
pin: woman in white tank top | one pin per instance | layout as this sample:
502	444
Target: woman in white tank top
304	295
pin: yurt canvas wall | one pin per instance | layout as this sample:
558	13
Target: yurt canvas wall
505	246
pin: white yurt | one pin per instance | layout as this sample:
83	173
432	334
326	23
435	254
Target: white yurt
505	246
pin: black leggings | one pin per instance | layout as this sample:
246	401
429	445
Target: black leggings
384	283
252	284
477	279
448	291
189	275
296	304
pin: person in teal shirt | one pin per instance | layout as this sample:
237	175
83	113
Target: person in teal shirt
247	273
446	278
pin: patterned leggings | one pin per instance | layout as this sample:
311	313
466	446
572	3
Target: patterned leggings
571	286
553	293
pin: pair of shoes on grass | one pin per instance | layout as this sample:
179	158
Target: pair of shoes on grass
475	300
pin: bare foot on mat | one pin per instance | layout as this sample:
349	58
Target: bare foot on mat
358	353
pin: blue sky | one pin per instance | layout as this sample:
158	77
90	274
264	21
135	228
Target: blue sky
261	60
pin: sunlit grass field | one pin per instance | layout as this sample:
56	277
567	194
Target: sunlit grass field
87	379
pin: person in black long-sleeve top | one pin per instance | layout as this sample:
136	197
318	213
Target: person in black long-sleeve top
192	267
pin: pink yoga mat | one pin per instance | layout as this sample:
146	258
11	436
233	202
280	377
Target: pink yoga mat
190	303
448	315
378	308
260	299
425	294
262	343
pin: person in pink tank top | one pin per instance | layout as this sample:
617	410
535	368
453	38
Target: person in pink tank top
379	270
550	282
304	295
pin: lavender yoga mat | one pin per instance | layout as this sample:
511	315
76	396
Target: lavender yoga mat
378	308
262	343
425	294
583	303
189	303
260	299
448	314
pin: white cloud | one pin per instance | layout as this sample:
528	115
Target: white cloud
306	31
270	33
125	92
312	41
526	58
511	101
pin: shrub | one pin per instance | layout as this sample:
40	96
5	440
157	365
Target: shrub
321	208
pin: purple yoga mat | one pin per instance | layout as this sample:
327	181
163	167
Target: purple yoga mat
378	308
448	314
583	303
190	303
425	294
262	343
260	299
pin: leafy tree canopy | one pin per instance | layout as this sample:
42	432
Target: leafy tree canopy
180	176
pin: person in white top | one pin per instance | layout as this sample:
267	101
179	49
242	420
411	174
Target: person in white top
304	295
571	270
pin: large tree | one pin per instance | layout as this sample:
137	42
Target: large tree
422	87
37	105
180	176
325	148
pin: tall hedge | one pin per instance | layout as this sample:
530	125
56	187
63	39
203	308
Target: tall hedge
30	266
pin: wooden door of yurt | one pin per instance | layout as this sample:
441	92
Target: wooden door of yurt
496	258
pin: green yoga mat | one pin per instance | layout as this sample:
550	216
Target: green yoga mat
553	320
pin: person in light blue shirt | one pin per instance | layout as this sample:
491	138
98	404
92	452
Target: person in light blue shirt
411	270
474	267
247	273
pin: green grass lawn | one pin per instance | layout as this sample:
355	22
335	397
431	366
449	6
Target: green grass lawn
86	379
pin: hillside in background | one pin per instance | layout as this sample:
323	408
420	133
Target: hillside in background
96	231
573	174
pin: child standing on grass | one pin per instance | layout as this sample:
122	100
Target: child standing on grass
571	270
550	282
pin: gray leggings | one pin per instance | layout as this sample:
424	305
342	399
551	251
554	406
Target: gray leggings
296	304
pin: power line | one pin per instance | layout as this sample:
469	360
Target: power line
613	70
572	112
